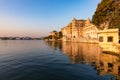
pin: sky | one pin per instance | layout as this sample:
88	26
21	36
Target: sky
36	18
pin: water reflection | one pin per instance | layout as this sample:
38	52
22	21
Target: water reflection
81	52
55	45
109	64
91	54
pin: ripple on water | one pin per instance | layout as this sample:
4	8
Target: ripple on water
31	61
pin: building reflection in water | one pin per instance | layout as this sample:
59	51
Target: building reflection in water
55	45
109	64
90	54
82	52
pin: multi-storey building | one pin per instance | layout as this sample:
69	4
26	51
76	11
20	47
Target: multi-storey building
90	32
79	29
67	32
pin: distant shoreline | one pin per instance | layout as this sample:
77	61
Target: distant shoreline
19	38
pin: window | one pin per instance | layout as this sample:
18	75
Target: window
110	39
100	39
73	36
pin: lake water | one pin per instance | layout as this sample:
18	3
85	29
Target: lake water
40	60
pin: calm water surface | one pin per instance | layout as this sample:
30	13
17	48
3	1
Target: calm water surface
39	60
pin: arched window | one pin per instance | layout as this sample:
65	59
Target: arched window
73	36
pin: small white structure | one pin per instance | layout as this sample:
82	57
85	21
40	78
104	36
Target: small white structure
108	36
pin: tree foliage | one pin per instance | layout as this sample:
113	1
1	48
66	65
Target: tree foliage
107	10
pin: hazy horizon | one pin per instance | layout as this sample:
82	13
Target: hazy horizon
36	18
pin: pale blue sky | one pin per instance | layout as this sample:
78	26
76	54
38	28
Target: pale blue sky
38	17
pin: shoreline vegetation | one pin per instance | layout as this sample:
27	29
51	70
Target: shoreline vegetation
54	36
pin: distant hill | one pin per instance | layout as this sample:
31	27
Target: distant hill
107	14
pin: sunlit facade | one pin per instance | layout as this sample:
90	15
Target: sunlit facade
79	29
